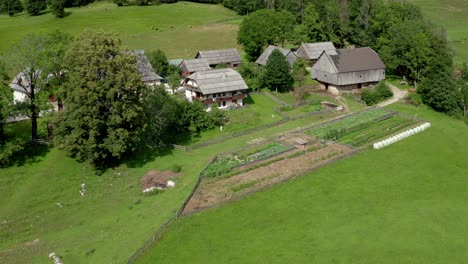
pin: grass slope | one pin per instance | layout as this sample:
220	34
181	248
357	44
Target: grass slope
405	203
113	220
183	27
453	15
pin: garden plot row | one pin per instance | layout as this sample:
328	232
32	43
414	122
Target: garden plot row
226	163
362	128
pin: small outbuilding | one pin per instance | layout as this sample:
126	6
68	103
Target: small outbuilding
222	88
312	51
348	69
230	57
188	67
289	54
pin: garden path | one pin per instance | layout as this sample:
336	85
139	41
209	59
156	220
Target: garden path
397	95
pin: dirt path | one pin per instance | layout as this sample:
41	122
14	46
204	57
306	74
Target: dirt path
397	95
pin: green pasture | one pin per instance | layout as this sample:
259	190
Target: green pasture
453	15
179	29
259	110
113	220
405	203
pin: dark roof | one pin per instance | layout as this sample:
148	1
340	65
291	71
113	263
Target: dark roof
262	60
195	65
145	69
359	59
314	50
220	56
218	81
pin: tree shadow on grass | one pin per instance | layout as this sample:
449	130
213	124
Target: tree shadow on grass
248	100
31	153
143	157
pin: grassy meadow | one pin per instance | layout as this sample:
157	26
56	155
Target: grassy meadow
113	220
405	203
453	15
179	29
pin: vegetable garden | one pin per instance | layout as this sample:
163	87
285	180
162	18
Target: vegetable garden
225	164
362	128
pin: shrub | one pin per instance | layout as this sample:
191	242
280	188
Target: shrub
376	94
334	134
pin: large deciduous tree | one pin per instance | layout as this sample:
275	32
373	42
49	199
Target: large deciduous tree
57	7
34	7
11	7
277	75
265	27
159	62
104	117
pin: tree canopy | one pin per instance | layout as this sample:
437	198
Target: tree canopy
11	7
104	115
277	75
265	27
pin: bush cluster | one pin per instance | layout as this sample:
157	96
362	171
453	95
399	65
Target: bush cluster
376	94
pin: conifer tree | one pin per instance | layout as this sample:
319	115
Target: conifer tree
277	74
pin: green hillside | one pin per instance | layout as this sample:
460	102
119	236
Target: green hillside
405	203
453	15
179	29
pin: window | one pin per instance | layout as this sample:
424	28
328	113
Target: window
224	103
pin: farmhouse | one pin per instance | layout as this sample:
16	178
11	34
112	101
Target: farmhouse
312	51
215	57
348	69
290	56
222	88
21	86
148	76
188	67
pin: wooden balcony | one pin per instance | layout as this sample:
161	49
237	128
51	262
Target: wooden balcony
207	101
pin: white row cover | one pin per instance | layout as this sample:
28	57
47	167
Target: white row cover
401	136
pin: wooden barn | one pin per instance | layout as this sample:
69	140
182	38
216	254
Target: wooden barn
222	88
188	67
289	54
348	69
148	76
312	51
230	57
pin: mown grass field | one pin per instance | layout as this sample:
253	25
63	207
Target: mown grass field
260	110
453	15
114	219
405	203
179	29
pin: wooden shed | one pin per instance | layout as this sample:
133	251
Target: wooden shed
289	54
312	51
188	67
215	57
148	76
348	69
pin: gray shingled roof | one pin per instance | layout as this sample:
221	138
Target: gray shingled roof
195	65
314	50
145	69
359	59
262	60
220	56
218	81
175	62
24	82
